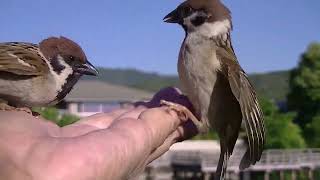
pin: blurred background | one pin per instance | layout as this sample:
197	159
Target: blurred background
277	44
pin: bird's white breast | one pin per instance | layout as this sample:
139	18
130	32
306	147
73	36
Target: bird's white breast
198	66
30	92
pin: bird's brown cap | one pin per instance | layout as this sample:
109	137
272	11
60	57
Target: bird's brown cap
215	8
53	46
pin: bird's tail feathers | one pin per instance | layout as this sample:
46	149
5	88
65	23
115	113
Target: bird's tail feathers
245	161
222	166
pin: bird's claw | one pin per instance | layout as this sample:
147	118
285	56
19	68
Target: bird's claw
181	110
24	109
185	114
6	107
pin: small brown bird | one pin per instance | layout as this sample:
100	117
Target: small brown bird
214	81
40	75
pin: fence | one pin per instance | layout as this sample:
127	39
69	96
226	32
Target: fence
193	162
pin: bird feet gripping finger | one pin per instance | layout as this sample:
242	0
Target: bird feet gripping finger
181	110
185	114
6	107
28	110
24	109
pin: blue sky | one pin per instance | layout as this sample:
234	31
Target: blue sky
268	35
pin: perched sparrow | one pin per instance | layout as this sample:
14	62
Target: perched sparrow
214	81
40	75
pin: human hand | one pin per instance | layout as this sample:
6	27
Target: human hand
116	145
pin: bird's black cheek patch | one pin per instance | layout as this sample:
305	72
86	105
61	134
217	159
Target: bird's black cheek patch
68	85
199	20
56	66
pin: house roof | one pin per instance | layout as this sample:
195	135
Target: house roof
98	91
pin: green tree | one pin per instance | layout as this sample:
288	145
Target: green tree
312	131
281	133
304	95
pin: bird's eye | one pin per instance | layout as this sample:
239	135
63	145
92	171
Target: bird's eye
187	11
71	58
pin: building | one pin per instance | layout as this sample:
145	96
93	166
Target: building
198	160
91	97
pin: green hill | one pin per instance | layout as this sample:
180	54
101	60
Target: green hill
272	85
135	78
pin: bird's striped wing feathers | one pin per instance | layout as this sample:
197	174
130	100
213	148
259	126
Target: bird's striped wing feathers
246	96
21	59
251	113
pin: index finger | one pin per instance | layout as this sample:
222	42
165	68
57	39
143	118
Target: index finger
161	122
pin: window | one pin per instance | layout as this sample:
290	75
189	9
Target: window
89	107
97	107
110	107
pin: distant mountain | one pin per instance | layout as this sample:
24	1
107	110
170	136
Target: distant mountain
272	85
135	78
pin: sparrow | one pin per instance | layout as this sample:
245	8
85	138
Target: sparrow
37	75
214	81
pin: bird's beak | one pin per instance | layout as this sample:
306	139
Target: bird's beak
173	17
87	69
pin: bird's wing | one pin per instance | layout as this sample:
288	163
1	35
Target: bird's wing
22	59
246	96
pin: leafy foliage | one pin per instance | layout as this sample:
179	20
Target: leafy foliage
281	133
312	131
304	96
67	119
52	114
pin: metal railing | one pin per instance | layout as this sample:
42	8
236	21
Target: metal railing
271	160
